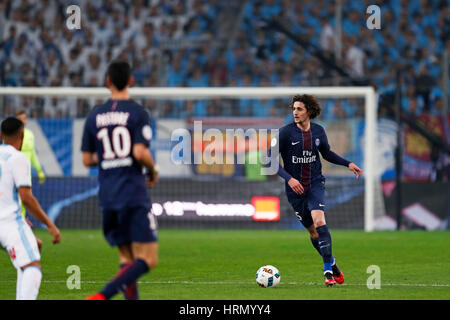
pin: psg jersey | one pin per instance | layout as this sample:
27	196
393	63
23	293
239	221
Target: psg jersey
111	129
300	153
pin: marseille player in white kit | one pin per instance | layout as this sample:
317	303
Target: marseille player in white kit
15	234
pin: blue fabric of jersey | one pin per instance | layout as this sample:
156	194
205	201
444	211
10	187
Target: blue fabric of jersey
121	179
297	159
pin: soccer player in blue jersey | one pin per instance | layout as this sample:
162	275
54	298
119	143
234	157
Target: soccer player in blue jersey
299	145
116	138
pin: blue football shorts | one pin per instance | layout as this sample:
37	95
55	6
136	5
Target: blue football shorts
127	225
313	199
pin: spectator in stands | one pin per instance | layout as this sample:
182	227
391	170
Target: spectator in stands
415	108
214	108
19	56
217	69
101	31
423	84
439	106
94	70
354	57
413	33
55	107
327	40
187	110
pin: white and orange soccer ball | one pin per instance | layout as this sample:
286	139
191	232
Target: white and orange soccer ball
268	276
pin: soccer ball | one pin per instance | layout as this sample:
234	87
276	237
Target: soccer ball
268	276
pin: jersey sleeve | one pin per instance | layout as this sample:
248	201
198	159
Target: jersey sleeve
21	170
329	155
142	132
283	141
276	147
88	140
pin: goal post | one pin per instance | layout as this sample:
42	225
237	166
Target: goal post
371	177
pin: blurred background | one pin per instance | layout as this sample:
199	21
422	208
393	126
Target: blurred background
230	43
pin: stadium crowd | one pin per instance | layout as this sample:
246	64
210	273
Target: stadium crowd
174	43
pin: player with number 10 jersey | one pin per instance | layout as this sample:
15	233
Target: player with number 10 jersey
116	138
111	130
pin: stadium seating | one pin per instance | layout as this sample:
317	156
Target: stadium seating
179	43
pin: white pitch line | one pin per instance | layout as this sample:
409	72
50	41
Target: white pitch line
251	282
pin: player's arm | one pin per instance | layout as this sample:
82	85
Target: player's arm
21	169
332	157
142	136
35	209
90	159
292	182
88	152
142	154
295	185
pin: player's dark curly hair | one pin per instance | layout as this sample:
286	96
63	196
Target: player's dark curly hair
312	106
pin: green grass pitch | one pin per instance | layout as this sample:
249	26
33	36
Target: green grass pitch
221	264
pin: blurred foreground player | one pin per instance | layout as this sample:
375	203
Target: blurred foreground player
117	137
15	234
29	150
299	145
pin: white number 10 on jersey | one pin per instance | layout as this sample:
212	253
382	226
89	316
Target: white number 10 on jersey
121	143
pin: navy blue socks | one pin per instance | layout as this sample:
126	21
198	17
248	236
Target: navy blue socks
131	292
315	243
125	278
324	243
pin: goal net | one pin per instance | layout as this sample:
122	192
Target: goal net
209	144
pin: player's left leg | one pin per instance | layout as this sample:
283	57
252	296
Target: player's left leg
316	203
323	237
31	277
325	243
20	242
314	236
300	205
126	259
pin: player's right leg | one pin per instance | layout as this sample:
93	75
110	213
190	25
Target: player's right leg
338	275
19	241
146	251
30	282
126	260
145	258
304	216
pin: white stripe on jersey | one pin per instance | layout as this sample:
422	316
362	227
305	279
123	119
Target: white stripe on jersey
15	172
